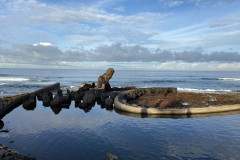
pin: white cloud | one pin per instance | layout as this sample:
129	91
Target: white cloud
174	3
43	44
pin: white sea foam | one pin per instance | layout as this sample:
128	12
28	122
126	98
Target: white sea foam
203	90
229	79
12	79
2	84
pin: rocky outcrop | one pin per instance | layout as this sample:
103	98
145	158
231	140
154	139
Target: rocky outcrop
103	80
9	154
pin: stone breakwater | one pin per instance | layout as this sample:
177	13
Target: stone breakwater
121	102
7	104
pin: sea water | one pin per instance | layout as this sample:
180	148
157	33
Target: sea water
74	133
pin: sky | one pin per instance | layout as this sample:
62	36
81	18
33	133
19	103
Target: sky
123	34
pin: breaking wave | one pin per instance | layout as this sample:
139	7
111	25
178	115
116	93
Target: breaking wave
229	79
11	79
205	90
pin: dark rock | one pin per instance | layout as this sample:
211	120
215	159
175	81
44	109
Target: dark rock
86	86
47	97
66	99
108	101
11	142
59	92
78	95
56	109
9	154
103	97
1	104
5	131
89	98
113	95
111	156
72	95
1	124
55	101
31	103
103	80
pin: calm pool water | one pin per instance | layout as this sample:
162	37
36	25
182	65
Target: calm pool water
74	134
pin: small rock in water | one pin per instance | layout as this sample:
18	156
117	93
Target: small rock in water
111	156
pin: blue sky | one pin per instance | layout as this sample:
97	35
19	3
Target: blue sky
124	34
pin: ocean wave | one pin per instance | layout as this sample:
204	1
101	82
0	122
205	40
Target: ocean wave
204	90
2	84
12	79
229	79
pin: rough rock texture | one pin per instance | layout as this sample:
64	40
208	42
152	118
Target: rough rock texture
89	98
85	86
103	80
30	103
108	101
9	154
111	156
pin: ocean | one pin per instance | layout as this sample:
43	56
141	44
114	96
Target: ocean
15	81
75	133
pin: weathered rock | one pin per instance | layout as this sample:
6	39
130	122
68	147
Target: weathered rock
86	86
1	124
103	80
56	100
111	156
56	109
9	154
59	92
72	95
108	101
113	95
103	97
66	99
47	97
1	104
89	98
30	103
78	95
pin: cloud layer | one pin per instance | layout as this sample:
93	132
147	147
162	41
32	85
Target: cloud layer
44	53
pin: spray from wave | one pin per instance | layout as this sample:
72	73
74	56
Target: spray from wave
229	79
11	79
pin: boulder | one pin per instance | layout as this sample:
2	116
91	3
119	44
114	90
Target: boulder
78	95
89	98
111	156
86	86
103	80
30	103
103	97
1	104
56	100
113	95
47	97
108	101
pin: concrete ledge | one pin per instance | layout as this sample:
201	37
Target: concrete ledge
120	103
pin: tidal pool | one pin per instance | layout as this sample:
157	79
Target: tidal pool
62	134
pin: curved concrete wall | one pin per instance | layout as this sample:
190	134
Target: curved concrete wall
120	102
